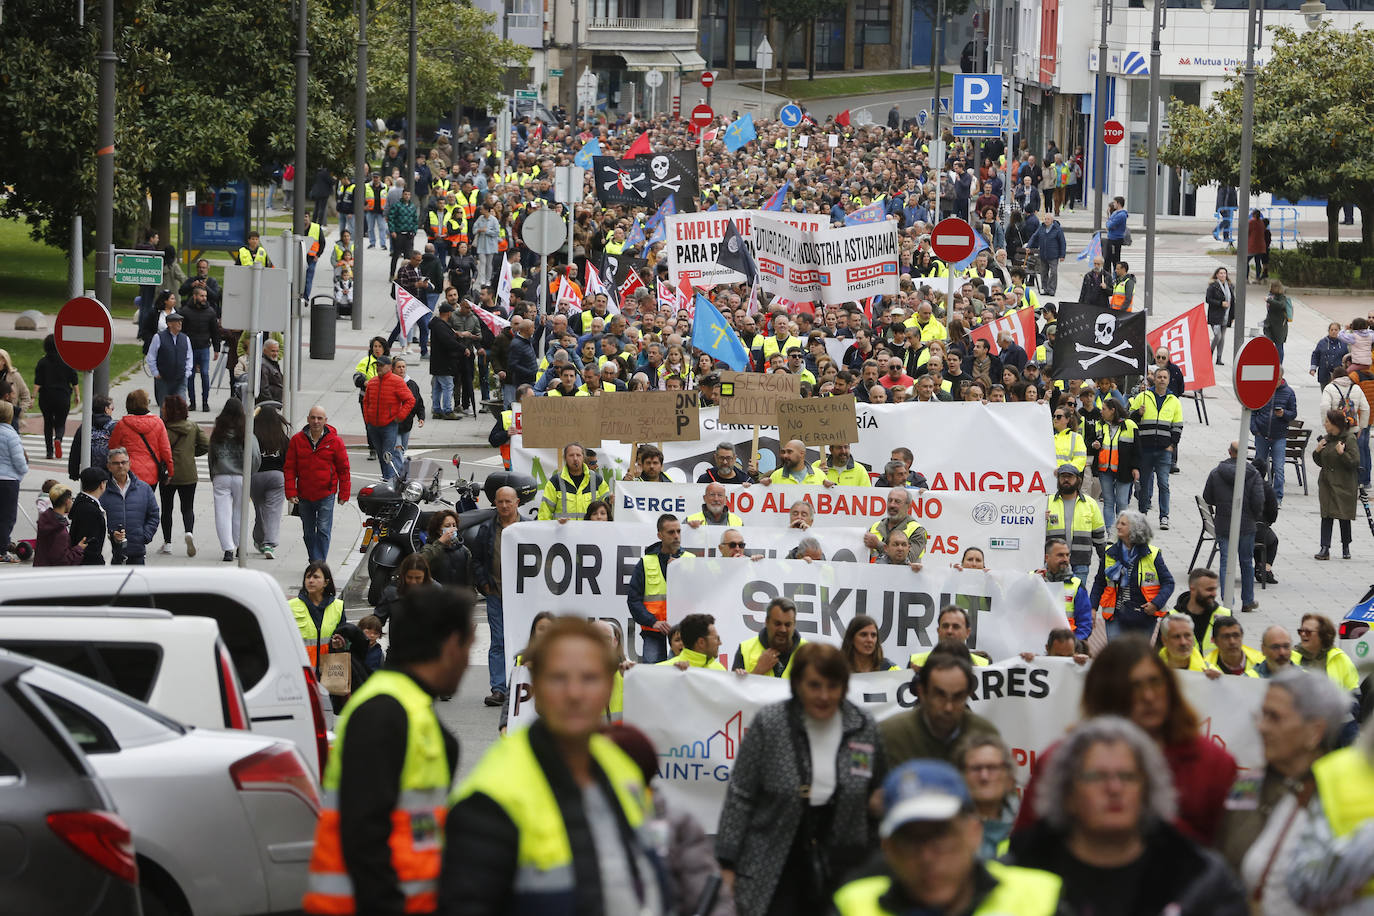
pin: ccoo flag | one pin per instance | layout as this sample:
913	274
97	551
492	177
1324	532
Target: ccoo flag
713	334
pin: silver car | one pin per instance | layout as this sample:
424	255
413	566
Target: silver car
223	821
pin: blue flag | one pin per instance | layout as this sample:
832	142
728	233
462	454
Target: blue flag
657	227
1093	250
591	148
636	236
979	244
779	197
713	334
873	213
740	133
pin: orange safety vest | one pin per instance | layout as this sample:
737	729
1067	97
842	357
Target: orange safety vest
503	244
371	197
1146	575
316	235
1109	455
655	589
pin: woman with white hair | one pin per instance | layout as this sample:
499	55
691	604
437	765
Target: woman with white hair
1332	868
1300	720
1133	583
1108	803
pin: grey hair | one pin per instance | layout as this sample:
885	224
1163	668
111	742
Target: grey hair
806	545
1176	617
893	466
1138	530
727	444
1315	697
1064	765
976	740
116	452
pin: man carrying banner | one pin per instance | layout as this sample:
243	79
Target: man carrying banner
842	470
647	595
792	469
700	644
898	518
770	653
1180	646
1232	656
1076	518
1078	606
715	509
943	688
570	493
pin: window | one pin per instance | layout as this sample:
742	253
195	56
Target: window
130	668
9	771
89	733
748	34
715	18
874	18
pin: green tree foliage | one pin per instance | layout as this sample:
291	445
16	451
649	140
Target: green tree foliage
459	57
794	16
1313	134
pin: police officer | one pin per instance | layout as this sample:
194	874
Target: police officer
379	838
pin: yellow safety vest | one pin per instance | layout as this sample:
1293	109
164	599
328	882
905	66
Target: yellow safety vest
1078	531
771	345
1252	658
1109	455
731	519
248	258
561	500
853	475
695	659
655	589
809	477
751	650
919	659
1070	449
315	232
909	529
1345	784
1118	300
417	823
1157	421
1195	661
1019	892
1339	668
1146	574
317	639
1071	586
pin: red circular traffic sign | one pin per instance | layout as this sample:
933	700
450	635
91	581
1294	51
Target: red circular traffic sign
952	240
1257	372
84	333
1113	132
702	115
708	78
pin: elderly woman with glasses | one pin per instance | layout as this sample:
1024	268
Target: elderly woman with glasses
1317	650
989	770
1133	584
1107	830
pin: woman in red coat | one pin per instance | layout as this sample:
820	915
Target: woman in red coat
1256	244
144	436
1129	679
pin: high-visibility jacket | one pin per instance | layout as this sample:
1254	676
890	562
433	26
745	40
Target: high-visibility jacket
1069	448
510	775
587	317
731	519
1161	422
374	198
564	499
1147	576
1207	644
467	201
341	251
1085	531
440	187
1345	785
614	247
1252	658
915	534
1339	668
932	330
503	243
315	232
808	476
579	393
772	345
1071	587
434	228
1123	291
455	225
507	421
752	649
853	474
695	659
605	386
248	258
317	638
1112	437
655	589
1019	892
417	823
919	660
1195	661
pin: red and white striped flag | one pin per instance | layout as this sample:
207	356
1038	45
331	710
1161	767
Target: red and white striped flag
567	295
409	310
494	322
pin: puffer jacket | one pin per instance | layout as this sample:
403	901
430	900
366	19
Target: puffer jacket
763	810
386	399
316	470
200	324
142	461
13	463
136	512
188	440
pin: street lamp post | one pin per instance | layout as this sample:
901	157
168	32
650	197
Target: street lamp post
410	105
360	169
1152	167
1100	99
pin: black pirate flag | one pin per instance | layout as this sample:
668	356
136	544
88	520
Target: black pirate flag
621	181
674	175
1095	341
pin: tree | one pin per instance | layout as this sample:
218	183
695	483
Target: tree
459	57
1313	135
931	10
794	16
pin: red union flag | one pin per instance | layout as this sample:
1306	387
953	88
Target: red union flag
1020	324
1189	347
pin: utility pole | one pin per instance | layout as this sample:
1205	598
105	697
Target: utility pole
1100	109
105	175
577	12
410	107
1241	278
360	170
1152	166
302	109
937	146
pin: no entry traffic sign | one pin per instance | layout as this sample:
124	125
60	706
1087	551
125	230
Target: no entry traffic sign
702	115
708	78
1257	372
1113	132
84	333
952	240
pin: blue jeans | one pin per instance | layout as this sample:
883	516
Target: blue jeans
655	647
423	323
1247	567
200	365
1267	449
346	221
383	441
496	654
441	394
163	389
1364	457
310	274
1115	497
1153	462
507	395
376	228
317	521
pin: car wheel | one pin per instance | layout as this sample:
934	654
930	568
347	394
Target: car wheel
158	893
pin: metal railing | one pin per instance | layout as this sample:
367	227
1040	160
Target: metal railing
1283	225
640	25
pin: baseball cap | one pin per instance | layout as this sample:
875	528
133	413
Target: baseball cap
922	790
173	316
710	378
445	307
1067	468
383	361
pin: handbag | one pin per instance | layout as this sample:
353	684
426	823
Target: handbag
164	473
336	674
1126	237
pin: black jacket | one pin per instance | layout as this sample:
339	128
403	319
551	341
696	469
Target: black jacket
522	363
1092	290
212	292
102	422
1216	492
444	348
483	546
417	412
1220	305
88	521
201	325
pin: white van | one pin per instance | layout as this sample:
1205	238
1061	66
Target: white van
284	697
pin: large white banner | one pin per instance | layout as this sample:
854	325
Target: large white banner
584	568
1008	612
1011	534
829	265
1033	705
694	241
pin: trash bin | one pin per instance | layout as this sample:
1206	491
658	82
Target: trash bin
323	315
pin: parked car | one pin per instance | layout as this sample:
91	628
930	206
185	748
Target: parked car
65	850
284	697
223	821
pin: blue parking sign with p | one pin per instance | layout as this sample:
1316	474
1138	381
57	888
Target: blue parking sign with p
977	98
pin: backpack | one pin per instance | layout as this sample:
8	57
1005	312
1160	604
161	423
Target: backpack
100	445
1347	407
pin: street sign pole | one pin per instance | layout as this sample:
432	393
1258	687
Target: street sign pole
1257	373
250	388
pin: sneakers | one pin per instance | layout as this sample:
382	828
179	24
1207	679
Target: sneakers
228	556
1164	523
165	550
1248	608
496	698
190	545
267	552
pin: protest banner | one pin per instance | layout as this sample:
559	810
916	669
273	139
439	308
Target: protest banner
652	416
1032	704
694	240
819	421
554	422
1009	529
1190	347
519	699
778	249
752	397
584	568
829	265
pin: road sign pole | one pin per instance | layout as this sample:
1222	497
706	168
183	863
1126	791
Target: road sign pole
87	396
250	387
1237	488
544	284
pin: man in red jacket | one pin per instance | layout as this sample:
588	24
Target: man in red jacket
387	400
316	471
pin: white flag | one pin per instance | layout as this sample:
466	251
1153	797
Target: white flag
409	310
567	295
503	285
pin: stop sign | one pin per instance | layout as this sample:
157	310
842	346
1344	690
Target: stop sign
1113	132
84	333
952	240
708	78
1257	372
702	115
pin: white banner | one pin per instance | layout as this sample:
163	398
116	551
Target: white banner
1032	705
829	265
1011	534
520	701
694	240
584	568
1008	612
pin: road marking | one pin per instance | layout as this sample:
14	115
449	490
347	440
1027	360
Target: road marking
82	333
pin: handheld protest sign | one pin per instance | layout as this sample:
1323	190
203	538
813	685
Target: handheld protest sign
819	421
653	416
752	397
554	422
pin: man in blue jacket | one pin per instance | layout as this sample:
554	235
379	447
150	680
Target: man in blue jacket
1269	426
131	512
1050	242
1116	233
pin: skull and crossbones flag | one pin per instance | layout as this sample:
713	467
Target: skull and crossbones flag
674	174
622	181
1095	341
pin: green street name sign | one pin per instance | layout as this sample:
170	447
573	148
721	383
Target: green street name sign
140	268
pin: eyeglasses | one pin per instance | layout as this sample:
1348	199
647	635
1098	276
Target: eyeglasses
986	768
1306	631
739	544
1060	416
1095	777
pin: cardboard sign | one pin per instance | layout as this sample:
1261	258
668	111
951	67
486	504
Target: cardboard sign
651	416
819	421
751	398
554	422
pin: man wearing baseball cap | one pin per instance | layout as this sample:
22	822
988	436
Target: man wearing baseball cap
930	834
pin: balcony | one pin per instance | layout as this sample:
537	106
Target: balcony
617	33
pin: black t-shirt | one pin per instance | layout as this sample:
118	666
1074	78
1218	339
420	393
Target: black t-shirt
1094	891
55	379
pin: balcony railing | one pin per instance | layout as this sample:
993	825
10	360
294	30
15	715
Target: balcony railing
643	25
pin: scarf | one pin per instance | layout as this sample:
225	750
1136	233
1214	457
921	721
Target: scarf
1130	556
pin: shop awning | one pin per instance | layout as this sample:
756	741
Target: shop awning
690	60
640	61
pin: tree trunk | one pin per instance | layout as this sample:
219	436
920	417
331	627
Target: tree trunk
1366	229
161	216
1333	229
784	50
